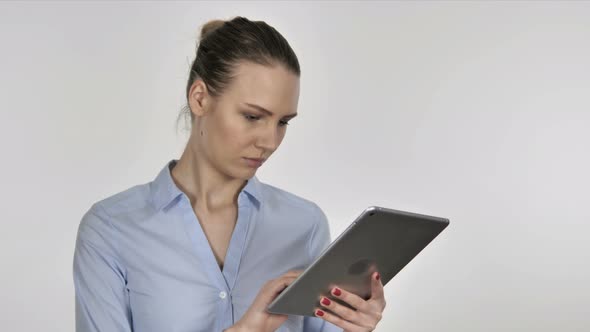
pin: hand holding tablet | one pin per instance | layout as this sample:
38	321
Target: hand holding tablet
380	240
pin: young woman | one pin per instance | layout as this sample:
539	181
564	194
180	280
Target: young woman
206	246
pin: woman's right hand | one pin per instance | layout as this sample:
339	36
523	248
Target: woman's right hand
256	317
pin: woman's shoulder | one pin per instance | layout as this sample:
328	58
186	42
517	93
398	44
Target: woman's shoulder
129	201
279	198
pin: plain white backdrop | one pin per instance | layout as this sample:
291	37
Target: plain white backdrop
474	111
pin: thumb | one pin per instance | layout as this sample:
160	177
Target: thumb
276	287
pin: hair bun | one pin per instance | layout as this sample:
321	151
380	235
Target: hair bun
210	27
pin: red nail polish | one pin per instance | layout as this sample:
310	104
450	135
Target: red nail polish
337	291
378	276
319	312
326	301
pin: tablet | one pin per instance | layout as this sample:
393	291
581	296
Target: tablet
379	239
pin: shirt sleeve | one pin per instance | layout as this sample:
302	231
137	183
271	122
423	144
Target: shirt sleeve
319	241
101	301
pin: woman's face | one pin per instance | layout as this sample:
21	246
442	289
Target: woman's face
236	127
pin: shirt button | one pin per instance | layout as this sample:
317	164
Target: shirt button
222	295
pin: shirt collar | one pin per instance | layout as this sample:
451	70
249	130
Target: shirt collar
164	190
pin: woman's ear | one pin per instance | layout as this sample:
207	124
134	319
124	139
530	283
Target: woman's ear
198	98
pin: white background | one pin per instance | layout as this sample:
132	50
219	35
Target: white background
478	112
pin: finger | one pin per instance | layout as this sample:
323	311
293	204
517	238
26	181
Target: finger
338	321
354	300
377	288
288	278
282	282
276	286
293	273
344	312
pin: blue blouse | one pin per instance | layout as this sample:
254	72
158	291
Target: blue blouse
142	262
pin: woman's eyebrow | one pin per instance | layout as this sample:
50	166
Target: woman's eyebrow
264	110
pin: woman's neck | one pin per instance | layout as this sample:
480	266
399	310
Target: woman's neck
208	189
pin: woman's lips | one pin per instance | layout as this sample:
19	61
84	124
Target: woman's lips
254	162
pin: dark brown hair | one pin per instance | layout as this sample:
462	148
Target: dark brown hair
223	44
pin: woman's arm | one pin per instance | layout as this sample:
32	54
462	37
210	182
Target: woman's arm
102	303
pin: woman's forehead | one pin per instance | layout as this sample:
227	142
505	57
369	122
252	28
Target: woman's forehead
267	85
248	74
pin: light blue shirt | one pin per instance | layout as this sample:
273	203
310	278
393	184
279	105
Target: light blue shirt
142	262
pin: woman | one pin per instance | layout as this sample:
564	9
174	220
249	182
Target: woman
206	246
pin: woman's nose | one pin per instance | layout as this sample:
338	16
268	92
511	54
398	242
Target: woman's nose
269	139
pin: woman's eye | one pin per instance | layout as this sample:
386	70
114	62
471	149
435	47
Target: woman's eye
251	117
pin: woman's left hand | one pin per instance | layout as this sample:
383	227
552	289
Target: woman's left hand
368	312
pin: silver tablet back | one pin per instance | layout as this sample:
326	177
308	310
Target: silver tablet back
380	239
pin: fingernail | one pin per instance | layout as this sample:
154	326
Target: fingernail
337	291
378	276
319	312
326	301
